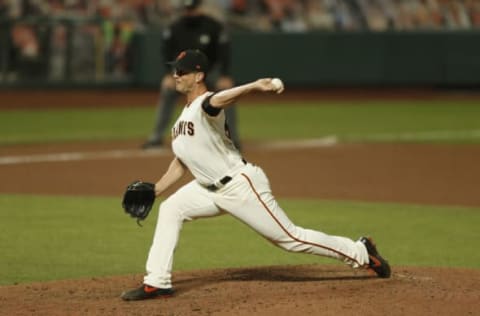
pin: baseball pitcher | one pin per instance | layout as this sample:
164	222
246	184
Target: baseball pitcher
224	184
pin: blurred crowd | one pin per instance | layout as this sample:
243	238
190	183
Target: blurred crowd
268	15
91	39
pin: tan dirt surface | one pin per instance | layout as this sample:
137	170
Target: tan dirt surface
434	174
410	173
51	98
275	291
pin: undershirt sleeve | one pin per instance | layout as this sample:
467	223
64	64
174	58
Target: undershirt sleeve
208	108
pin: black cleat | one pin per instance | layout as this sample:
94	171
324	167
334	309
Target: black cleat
146	292
376	263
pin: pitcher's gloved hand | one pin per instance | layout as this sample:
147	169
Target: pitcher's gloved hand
138	199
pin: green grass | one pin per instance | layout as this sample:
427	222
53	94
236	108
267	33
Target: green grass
367	121
356	121
54	125
48	238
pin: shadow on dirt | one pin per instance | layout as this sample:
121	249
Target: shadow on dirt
313	273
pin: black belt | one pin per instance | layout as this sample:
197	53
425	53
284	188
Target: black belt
212	187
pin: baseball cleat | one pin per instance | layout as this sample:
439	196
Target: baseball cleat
376	263
146	292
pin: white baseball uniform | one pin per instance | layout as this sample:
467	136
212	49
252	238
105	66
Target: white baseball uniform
200	141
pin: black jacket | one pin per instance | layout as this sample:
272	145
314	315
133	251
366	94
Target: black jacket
198	32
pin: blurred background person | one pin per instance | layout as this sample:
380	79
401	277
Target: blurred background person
194	29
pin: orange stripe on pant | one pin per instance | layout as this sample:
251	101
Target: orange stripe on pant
286	231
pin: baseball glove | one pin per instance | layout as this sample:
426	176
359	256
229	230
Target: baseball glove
138	199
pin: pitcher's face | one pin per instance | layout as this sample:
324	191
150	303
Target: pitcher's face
184	82
187	82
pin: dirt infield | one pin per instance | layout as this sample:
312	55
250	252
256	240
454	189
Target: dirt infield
410	173
275	291
404	173
436	174
41	98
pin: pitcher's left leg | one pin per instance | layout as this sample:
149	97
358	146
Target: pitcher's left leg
260	210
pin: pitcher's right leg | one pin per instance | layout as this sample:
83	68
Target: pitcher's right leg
188	203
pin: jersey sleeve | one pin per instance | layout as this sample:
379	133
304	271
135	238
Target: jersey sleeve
208	108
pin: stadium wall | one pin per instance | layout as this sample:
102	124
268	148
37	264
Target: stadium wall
440	59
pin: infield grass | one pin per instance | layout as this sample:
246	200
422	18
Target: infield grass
49	238
356	121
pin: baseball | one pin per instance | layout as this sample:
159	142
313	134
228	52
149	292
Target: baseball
277	84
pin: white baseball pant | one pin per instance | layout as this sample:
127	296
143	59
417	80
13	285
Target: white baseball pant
247	197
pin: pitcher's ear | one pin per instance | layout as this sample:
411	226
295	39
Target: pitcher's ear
199	76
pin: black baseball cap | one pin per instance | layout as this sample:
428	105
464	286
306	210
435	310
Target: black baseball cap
190	60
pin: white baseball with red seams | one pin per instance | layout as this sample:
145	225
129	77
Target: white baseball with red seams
278	84
200	142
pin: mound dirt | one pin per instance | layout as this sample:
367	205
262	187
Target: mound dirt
278	290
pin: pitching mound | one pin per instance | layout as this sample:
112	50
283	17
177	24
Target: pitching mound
282	290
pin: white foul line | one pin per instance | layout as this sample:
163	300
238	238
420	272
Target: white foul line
327	141
79	156
138	153
302	143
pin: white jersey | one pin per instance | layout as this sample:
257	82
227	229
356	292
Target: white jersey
201	142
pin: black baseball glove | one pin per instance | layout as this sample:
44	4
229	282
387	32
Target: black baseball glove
138	199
